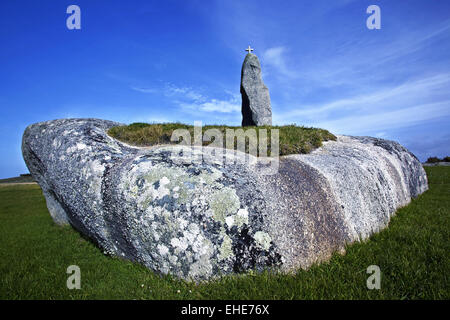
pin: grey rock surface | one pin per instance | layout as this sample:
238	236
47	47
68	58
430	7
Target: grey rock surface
256	109
201	219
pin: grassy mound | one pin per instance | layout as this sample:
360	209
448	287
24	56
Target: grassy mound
292	139
413	255
23	178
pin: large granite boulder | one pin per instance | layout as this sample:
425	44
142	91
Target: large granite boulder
256	109
201	219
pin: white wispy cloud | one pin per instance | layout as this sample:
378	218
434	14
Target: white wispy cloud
170	90
408	92
186	93
143	90
407	104
230	105
412	42
193	101
355	61
214	105
370	123
275	59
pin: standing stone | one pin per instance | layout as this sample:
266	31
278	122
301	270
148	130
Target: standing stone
256	110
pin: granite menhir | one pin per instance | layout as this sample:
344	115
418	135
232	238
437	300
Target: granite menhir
256	110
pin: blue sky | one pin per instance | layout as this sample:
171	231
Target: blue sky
153	61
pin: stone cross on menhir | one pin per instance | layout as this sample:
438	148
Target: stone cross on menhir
249	49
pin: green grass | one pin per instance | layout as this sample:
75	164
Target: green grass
292	139
413	254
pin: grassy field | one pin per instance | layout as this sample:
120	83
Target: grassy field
413	254
292	139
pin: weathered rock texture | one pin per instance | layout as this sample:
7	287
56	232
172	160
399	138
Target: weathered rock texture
201	219
256	110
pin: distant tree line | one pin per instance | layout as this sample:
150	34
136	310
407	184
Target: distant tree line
436	159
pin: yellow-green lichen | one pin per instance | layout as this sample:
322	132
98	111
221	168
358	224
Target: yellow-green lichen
241	217
224	202
226	249
210	177
262	240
